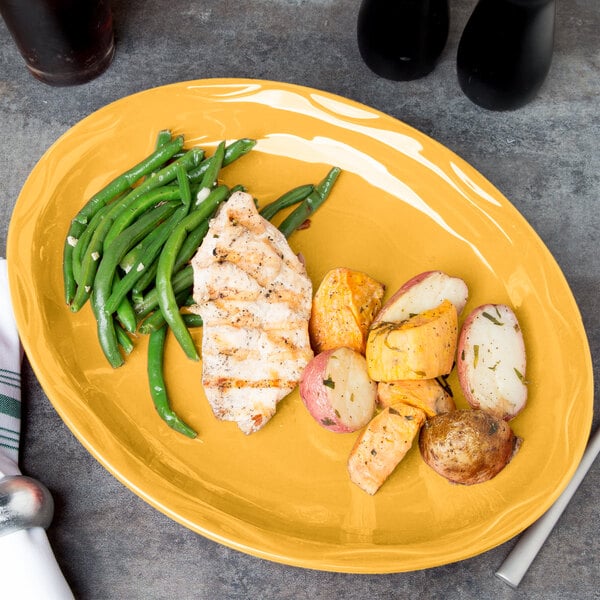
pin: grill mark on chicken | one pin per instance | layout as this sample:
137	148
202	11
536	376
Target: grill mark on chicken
255	299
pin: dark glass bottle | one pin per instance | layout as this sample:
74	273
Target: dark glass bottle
505	52
402	39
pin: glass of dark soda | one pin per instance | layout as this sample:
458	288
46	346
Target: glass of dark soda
63	42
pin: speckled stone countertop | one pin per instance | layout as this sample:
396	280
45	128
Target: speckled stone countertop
543	157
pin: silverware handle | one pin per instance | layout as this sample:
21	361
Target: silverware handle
526	549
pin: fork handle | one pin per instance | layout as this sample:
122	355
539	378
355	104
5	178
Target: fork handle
526	549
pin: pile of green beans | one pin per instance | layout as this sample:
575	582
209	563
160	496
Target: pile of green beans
128	249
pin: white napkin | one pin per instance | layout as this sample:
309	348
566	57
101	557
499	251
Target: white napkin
28	568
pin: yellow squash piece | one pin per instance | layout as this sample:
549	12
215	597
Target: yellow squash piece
426	394
422	347
383	444
343	308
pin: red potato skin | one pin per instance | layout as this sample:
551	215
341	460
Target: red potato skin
462	369
316	395
412	282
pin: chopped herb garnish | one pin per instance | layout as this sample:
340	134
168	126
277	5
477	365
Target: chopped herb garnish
475	355
327	422
329	383
520	376
491	318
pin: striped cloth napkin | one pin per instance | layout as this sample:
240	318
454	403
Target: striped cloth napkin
28	569
10	380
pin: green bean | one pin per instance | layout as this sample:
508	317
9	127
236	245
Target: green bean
158	391
148	201
195	237
96	246
138	253
182	280
209	178
105	276
148	278
164	137
125	313
133	258
164	287
190	246
184	187
107	334
144	305
192	320
114	188
127	214
232	152
288	199
151	251
157	319
325	186
84	240
140	205
123	339
95	249
314	200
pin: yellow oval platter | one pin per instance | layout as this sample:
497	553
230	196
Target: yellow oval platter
403	204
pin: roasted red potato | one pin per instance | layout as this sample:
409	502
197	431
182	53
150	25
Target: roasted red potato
423	292
337	391
491	361
467	446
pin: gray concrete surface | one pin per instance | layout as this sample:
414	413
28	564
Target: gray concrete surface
543	157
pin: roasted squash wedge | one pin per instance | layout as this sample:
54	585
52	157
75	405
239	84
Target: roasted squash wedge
426	394
383	444
422	347
343	308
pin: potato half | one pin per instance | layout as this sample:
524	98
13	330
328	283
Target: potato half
422	347
491	361
467	446
337	391
423	292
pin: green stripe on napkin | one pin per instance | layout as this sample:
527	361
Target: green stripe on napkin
10	378
10	406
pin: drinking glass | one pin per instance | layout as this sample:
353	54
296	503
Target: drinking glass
63	42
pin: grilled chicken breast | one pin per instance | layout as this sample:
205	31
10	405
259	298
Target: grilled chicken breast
255	299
